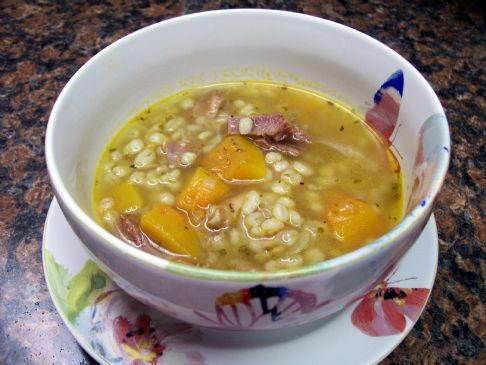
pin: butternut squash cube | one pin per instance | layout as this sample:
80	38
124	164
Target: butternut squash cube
170	229
354	222
236	158
202	189
127	198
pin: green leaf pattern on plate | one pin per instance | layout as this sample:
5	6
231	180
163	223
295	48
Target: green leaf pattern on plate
75	293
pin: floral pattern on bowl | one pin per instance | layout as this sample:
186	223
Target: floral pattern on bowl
114	328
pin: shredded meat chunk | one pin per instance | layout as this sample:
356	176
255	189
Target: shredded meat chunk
209	105
288	148
130	232
221	216
270	132
218	217
175	150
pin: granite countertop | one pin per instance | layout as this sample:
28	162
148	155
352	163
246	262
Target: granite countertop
42	44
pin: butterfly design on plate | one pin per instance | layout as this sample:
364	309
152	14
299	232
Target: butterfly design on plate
383	311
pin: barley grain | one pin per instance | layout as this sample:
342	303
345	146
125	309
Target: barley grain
187	104
106	203
280	188
133	147
120	171
302	168
272	157
138	177
188	158
286	202
167	198
157	138
245	126
272	225
116	156
144	158
295	218
279	166
280	212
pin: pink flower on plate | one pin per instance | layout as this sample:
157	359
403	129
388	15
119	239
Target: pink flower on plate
139	341
383	310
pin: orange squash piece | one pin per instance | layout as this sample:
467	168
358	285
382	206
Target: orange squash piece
127	198
202	189
170	229
354	222
236	158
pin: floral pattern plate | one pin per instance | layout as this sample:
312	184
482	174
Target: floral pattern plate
116	329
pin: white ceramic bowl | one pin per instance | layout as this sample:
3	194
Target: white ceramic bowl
141	68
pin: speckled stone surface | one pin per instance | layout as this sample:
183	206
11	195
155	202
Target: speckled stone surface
42	44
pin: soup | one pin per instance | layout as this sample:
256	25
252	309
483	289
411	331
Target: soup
248	176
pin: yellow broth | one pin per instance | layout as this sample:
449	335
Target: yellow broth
343	191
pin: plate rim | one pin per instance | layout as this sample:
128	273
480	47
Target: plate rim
72	329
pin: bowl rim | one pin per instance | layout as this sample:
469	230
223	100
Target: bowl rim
420	213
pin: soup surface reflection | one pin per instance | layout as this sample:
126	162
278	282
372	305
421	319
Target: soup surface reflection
248	176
